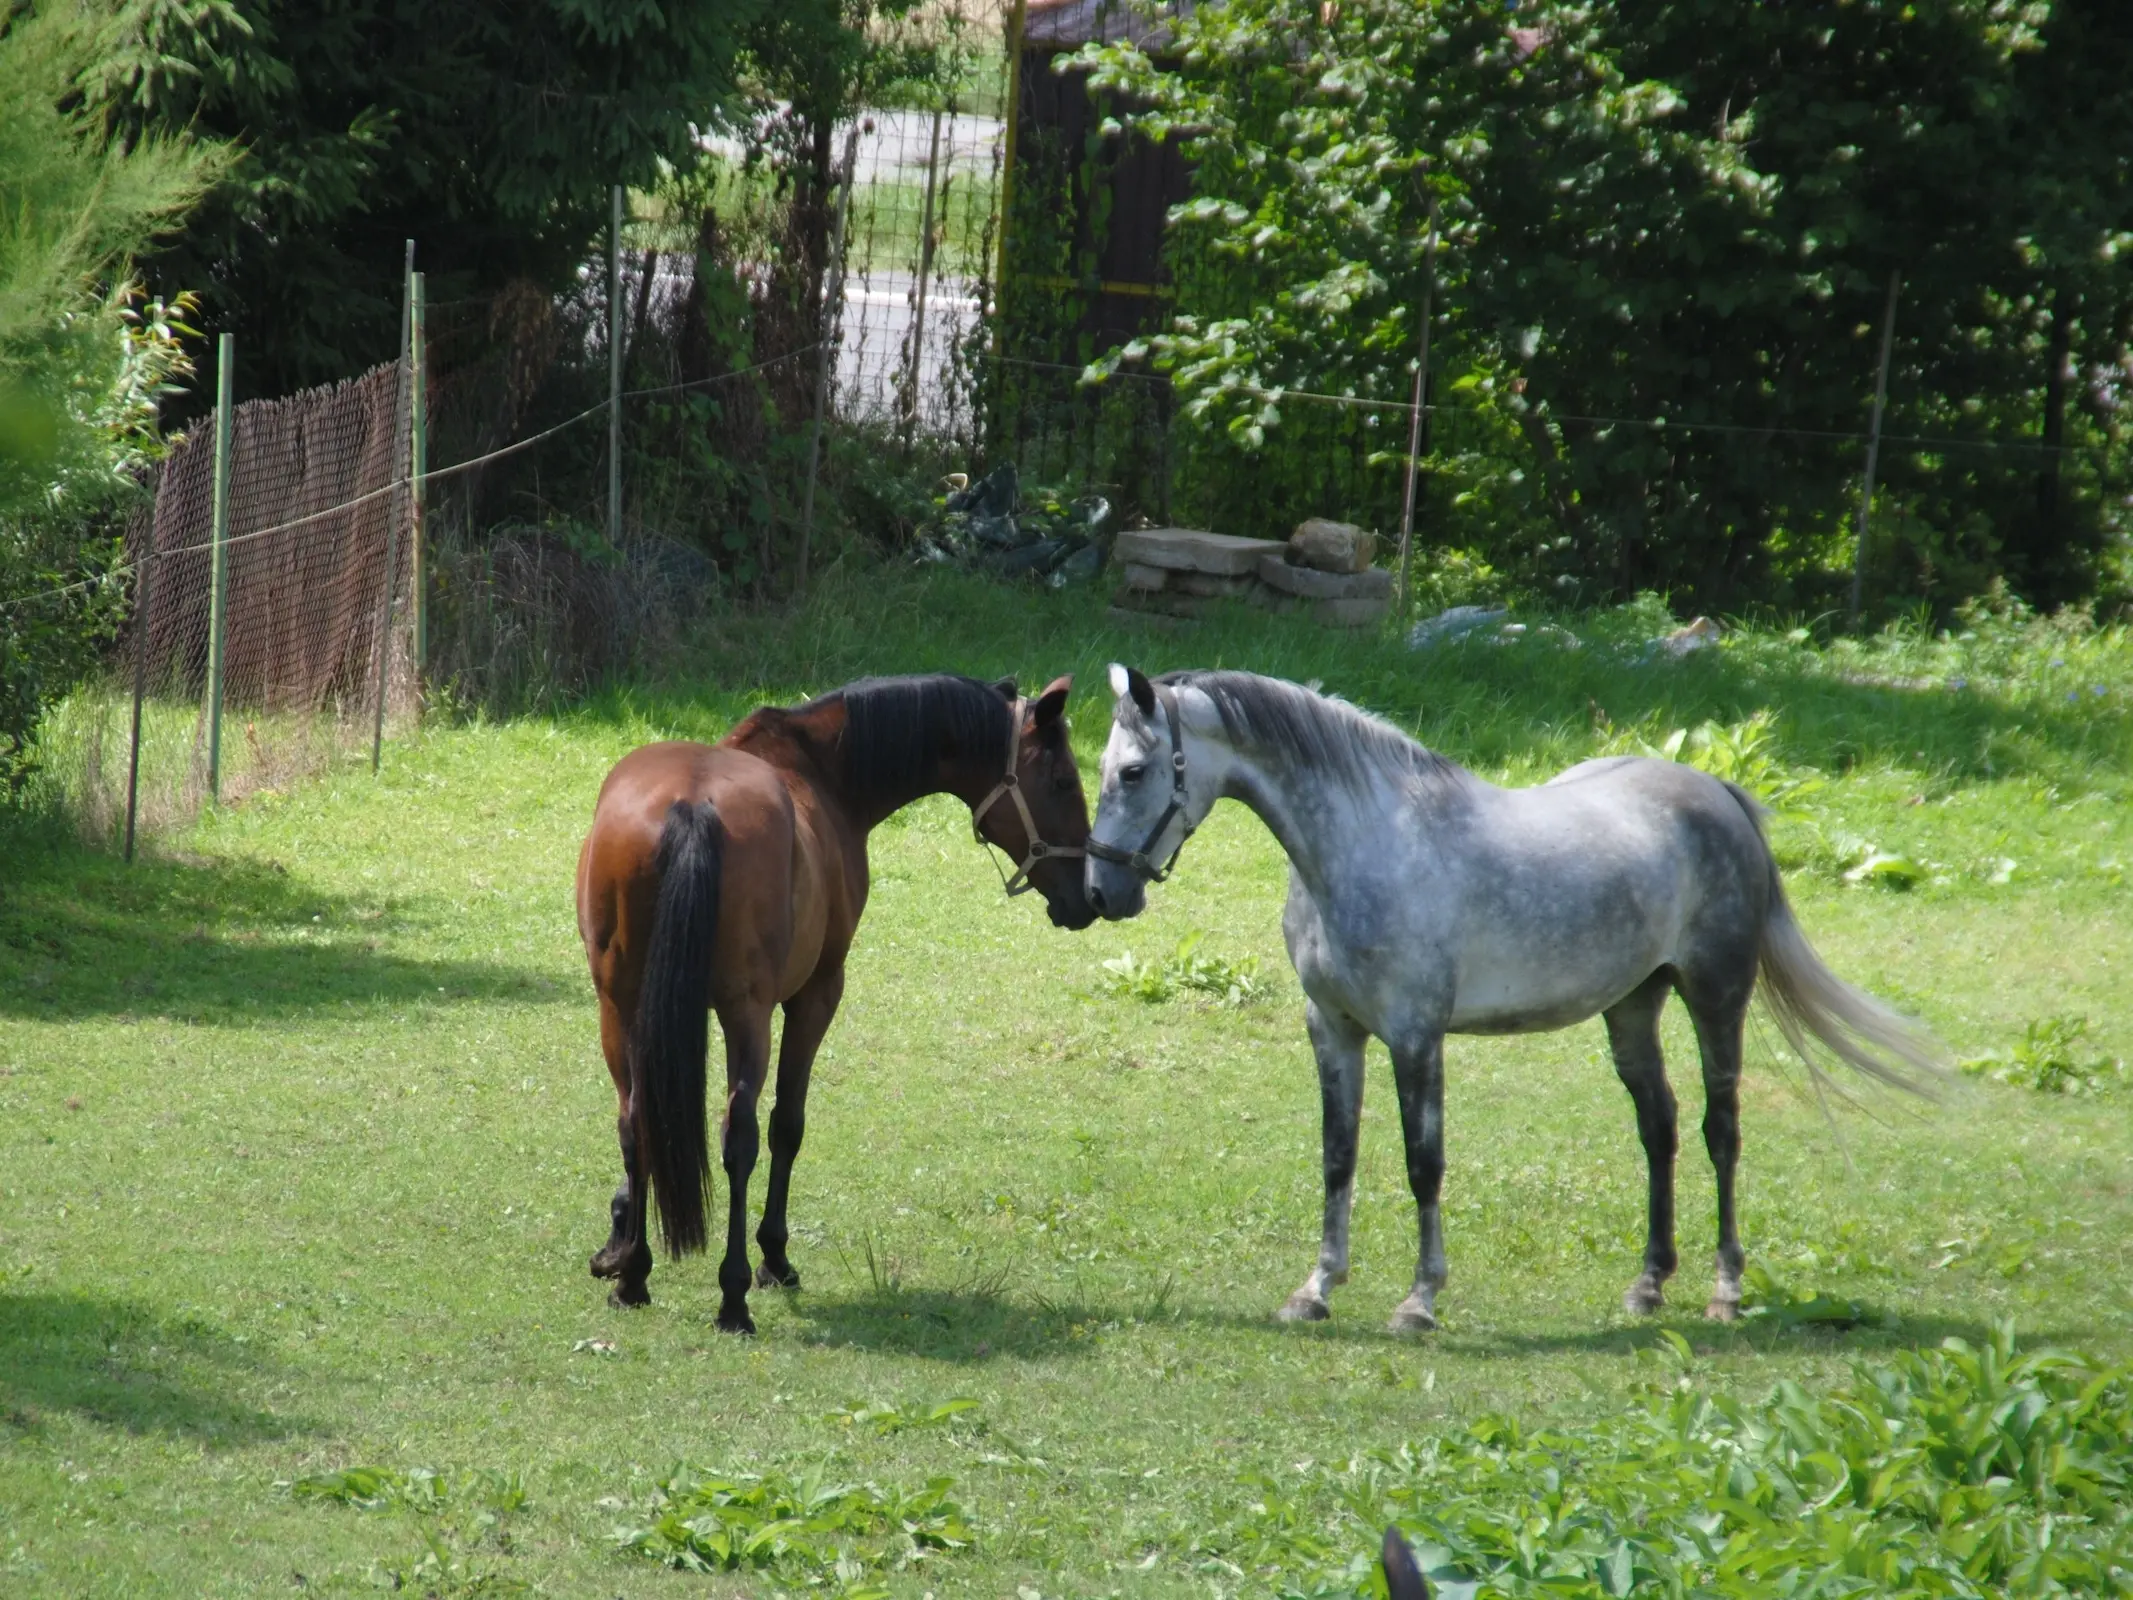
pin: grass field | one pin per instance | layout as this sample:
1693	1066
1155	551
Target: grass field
305	1139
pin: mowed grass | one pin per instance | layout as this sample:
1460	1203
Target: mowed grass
305	1136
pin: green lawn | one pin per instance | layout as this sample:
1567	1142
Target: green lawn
305	1138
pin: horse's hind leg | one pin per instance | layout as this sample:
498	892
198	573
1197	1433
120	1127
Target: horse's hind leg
1633	1037
1338	1044
807	1019
747	1030
1718	1037
1418	1072
626	1257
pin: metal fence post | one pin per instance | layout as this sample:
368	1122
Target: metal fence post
614	368
140	677
832	314
1415	419
1873	441
419	450
398	503
218	580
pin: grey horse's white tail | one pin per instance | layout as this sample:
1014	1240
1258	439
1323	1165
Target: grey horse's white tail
1808	1001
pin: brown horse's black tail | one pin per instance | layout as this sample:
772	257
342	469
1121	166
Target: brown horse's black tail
672	1031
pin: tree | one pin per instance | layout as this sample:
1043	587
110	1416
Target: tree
82	362
489	131
1668	232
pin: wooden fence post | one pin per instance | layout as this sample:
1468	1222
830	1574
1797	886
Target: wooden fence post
1421	401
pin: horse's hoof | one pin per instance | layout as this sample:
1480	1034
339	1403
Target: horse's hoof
780	1277
1303	1307
627	1296
737	1322
1643	1297
1411	1318
1723	1311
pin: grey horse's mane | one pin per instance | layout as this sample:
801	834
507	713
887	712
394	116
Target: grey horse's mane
1315	730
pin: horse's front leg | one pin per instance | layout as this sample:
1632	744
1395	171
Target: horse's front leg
1418	1072
807	1018
747	1030
1338	1043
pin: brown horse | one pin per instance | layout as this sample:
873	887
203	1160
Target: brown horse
731	878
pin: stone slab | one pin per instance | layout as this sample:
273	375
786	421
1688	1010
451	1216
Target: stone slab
1277	573
1210	587
1220	555
1146	579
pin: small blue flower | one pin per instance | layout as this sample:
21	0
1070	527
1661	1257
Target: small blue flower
2098	690
1958	683
2072	695
2058	661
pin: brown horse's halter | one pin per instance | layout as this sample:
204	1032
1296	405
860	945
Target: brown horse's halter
1011	784
1139	860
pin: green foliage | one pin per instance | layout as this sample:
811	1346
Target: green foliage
1186	970
84	360
450	1516
807	1530
1960	1471
2050	1058
1666	233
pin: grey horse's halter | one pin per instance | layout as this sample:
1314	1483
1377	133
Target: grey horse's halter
1011	784
1139	859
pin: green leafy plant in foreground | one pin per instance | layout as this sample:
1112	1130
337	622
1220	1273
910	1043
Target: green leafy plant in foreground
801	1530
1225	982
1964	1471
2049	1058
449	1515
886	1416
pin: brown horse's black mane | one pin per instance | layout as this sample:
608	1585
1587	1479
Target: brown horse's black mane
896	731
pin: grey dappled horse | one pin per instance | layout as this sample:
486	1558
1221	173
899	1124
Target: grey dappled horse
1425	901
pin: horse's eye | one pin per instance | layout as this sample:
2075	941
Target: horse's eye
1066	783
1133	773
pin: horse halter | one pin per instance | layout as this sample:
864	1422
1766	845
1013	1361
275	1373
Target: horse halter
1139	859
1011	785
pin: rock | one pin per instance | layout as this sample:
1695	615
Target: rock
1453	624
1146	579
1220	555
1374	583
1211	587
1351	613
1698	635
1327	546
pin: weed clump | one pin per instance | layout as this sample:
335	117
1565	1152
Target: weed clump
1186	971
1966	1471
2049	1058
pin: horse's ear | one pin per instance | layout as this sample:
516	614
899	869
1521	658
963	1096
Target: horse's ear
1009	690
1403	1577
1051	705
1127	681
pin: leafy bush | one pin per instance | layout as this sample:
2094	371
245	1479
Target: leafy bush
1225	982
802	1530
1966	1470
450	1516
2049	1059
